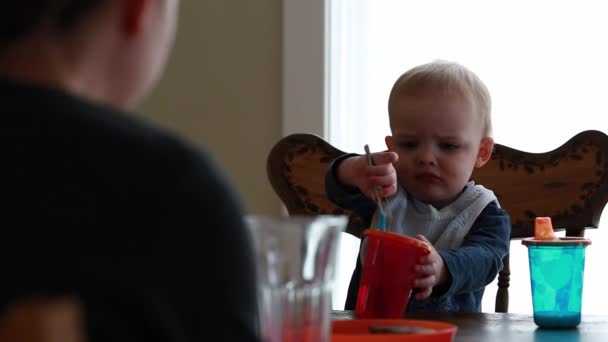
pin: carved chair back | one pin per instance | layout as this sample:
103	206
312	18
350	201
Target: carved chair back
569	184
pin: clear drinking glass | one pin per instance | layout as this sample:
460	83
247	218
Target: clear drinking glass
295	258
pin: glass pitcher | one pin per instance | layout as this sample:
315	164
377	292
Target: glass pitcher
295	258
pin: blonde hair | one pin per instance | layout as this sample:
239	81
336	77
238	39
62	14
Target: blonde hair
446	78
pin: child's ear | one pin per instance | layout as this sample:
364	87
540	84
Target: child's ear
389	142
485	151
134	16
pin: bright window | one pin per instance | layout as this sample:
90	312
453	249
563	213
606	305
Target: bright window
545	63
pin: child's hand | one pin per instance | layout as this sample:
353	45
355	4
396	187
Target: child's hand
430	272
354	171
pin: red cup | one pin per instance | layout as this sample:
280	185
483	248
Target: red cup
388	273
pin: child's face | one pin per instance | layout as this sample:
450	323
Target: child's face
439	141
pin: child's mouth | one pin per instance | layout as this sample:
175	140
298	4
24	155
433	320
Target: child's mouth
428	178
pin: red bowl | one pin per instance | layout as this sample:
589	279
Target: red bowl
360	330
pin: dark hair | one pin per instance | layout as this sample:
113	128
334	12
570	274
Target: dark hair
18	18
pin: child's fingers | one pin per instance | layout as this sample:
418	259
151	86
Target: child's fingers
421	237
388	191
385	186
387	157
433	256
424	269
383	178
381	172
429	259
425	260
427	281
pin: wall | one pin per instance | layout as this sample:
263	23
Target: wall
222	89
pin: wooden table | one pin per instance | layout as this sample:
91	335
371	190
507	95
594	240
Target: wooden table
503	327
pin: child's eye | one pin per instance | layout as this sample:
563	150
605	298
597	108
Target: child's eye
448	146
408	144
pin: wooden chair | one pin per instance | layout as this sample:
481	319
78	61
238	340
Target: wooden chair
569	184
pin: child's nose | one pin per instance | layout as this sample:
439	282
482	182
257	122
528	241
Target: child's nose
426	156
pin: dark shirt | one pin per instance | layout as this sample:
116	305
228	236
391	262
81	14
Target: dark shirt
136	224
471	266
